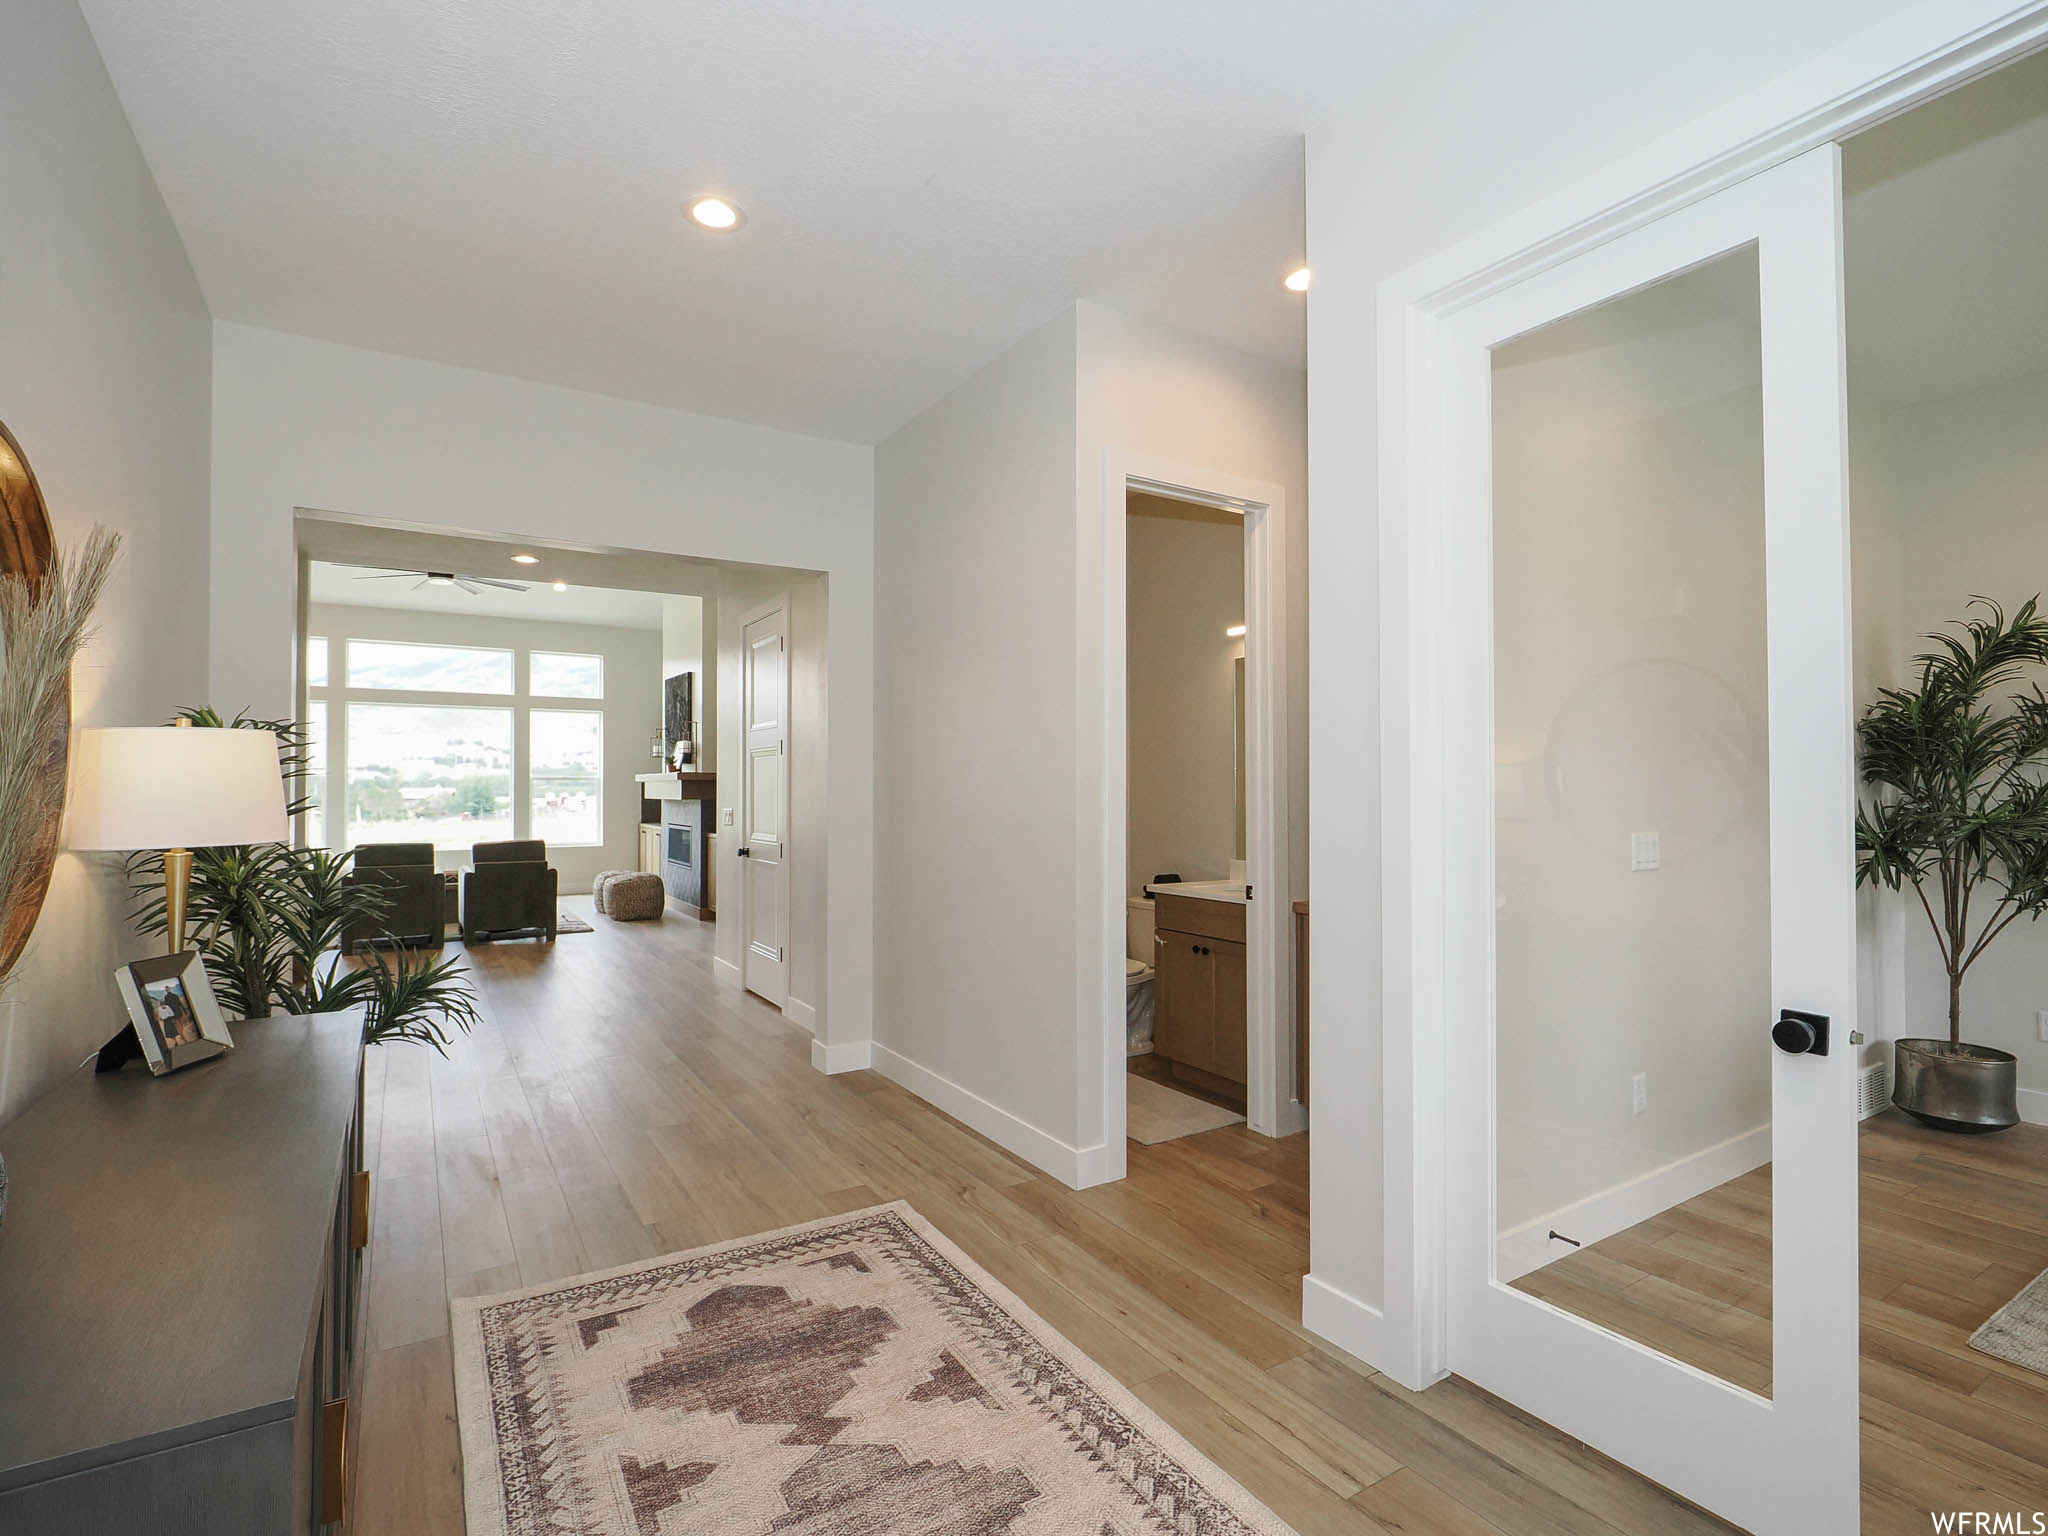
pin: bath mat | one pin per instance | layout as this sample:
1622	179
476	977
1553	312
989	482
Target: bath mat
1154	1112
2018	1331
856	1374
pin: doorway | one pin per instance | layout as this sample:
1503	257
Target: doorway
1249	939
1465	1050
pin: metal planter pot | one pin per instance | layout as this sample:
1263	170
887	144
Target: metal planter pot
1969	1088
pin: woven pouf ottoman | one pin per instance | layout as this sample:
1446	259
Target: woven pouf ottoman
603	882
635	898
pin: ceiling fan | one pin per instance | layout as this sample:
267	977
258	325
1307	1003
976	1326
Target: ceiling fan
470	584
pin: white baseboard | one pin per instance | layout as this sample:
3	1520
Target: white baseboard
802	1015
725	967
1529	1246
1072	1166
846	1056
2034	1106
1293	1119
1352	1325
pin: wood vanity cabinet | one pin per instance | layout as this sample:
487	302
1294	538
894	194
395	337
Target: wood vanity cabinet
1199	991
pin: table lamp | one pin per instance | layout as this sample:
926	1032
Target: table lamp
175	788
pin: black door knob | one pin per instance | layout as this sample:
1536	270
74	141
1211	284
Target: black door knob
1800	1034
746	853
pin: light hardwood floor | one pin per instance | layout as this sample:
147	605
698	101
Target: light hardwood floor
1953	1227
623	1101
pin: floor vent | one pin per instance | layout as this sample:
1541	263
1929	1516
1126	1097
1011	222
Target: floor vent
1873	1090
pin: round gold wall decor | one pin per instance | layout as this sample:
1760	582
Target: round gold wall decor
25	551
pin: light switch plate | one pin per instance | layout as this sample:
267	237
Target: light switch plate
1643	851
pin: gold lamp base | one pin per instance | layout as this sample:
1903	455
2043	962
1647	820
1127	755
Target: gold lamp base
177	886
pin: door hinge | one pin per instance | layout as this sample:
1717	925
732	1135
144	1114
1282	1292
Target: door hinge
1247	893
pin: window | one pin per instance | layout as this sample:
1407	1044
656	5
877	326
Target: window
558	675
428	668
427	773
316	661
566	748
314	786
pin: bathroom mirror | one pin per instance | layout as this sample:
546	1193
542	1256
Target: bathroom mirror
1238	730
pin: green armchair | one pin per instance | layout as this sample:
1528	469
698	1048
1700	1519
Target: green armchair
510	893
404	875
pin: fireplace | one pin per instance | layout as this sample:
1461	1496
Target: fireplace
683	830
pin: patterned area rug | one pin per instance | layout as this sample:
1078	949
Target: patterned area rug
848	1377
569	922
2018	1331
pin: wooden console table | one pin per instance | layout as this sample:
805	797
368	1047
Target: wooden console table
181	1287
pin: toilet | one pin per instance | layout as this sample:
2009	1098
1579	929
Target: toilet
1138	977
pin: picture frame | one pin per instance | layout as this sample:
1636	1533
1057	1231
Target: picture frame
176	1017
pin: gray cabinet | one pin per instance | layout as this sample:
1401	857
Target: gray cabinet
181	1292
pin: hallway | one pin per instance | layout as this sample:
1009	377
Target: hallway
622	1101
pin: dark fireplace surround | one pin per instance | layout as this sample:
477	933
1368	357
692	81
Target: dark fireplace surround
684	826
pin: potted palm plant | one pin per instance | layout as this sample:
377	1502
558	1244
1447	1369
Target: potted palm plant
1958	766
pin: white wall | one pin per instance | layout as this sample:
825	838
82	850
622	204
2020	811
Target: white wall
1967	474
631	707
974	559
1185	584
1515	112
689	643
301	423
809	853
104	361
990	520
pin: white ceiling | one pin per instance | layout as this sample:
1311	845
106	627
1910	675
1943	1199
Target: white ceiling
1946	233
498	183
361	586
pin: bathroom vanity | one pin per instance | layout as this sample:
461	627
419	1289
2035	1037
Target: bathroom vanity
1198	953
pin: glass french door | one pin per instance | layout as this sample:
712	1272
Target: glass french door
1651	1194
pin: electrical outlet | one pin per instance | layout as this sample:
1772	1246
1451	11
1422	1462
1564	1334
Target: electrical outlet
1641	1092
1644	852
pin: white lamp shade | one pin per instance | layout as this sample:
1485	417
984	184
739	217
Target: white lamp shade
135	787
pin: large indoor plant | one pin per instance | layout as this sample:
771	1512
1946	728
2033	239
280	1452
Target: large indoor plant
268	921
1958	768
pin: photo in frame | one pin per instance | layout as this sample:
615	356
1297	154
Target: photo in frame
176	1017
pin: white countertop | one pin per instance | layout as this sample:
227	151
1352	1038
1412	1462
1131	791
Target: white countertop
1202	890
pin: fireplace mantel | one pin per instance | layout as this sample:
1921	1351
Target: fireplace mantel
678	786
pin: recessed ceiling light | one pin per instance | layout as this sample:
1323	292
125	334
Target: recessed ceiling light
1235	632
526	559
716	213
1297	280
561	586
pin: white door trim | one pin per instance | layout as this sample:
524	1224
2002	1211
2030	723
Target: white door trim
1878	74
1272	1096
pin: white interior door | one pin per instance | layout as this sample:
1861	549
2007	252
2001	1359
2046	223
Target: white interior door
1651	1234
764	804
